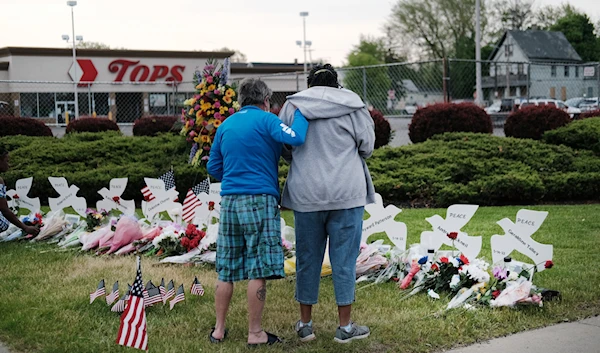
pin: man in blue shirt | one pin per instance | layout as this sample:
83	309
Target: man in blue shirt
245	156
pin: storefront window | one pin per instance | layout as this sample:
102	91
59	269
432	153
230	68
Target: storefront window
28	103
46	104
158	104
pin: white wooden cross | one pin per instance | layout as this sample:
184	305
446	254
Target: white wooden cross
202	212
163	200
112	197
382	220
68	196
457	216
22	187
517	236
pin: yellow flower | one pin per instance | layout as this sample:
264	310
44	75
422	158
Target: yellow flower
212	87
211	121
478	296
205	138
200	85
230	93
199	115
197	139
227	99
217	123
223	110
236	105
191	112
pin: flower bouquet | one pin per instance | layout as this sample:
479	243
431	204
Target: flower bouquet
95	219
192	237
168	243
202	114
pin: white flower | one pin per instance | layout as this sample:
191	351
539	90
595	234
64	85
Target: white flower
454	262
454	282
513	276
433	294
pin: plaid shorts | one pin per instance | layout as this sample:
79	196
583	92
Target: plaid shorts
3	221
249	243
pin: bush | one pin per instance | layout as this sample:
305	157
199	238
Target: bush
590	114
90	124
91	160
485	170
448	117
532	122
582	134
153	125
383	130
23	126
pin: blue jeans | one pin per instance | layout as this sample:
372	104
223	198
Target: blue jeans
344	228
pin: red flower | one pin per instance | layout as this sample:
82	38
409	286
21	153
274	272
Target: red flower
495	294
185	241
117	199
464	259
549	264
444	260
452	235
15	197
211	205
435	267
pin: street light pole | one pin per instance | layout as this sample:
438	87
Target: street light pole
72	4
478	86
304	15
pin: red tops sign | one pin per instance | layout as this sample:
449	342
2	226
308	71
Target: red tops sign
142	73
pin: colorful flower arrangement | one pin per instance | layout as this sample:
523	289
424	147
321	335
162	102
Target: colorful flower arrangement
202	114
95	219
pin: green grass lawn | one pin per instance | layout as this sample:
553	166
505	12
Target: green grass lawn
44	297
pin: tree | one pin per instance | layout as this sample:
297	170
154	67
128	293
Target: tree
374	80
237	57
92	45
579	30
436	26
512	15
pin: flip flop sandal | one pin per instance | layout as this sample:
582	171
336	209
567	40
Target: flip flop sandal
214	340
271	339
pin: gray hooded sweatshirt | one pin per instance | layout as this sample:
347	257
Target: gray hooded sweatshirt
328	172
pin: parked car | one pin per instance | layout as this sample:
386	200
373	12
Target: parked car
575	102
494	108
411	108
589	104
572	111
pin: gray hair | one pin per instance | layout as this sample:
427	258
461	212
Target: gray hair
253	91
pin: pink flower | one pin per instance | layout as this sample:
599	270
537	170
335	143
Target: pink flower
218	116
197	96
414	269
204	123
231	110
286	244
209	79
197	107
363	246
217	92
217	104
206	148
193	134
218	73
205	158
183	111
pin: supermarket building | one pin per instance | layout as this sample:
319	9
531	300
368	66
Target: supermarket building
125	84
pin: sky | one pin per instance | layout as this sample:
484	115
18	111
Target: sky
264	30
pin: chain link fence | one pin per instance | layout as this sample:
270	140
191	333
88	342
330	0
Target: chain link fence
397	90
123	102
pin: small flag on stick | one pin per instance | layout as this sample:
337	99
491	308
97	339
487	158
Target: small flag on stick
100	291
114	294
132	332
197	288
153	294
179	297
170	291
163	290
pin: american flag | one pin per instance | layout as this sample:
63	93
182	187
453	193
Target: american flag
114	294
197	288
119	306
170	291
189	206
179	297
163	291
204	186
132	332
151	294
100	291
168	178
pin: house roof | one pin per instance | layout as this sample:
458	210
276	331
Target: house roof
541	46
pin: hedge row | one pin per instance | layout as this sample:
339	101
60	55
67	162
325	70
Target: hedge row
11	126
486	170
581	134
91	124
446	169
91	160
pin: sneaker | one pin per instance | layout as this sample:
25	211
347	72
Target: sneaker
357	333
305	332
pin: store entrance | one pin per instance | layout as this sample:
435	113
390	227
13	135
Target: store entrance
129	107
61	107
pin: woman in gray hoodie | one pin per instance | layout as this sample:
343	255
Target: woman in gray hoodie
328	186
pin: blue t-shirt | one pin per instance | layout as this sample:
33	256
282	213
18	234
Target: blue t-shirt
246	150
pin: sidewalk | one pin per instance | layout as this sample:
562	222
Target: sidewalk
581	337
3	348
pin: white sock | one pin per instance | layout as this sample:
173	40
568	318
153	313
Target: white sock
302	324
347	328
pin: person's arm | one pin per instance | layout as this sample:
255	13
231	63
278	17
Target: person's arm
294	135
215	162
365	137
11	217
287	116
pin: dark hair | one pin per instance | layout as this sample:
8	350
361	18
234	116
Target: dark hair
323	75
